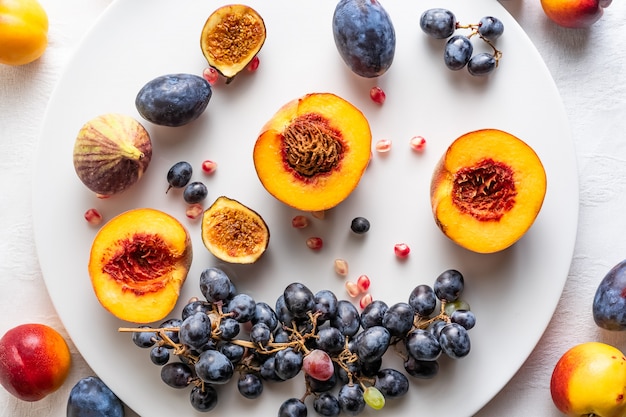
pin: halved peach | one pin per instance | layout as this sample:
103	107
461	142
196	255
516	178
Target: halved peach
312	153
487	190
138	262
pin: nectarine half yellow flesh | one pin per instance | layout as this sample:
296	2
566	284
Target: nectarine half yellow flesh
487	189
138	263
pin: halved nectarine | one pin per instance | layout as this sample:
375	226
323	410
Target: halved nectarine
138	262
487	190
312	153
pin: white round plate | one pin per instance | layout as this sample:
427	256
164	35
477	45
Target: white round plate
513	293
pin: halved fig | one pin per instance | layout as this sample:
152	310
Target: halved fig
312	153
487	190
233	232
231	37
138	263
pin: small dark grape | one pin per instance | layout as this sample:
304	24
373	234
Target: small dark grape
351	399
490	28
423	300
438	23
176	375
179	175
144	339
465	318
159	355
250	385
360	225
195	192
482	64
203	397
391	383
449	285
327	405
293	407
457	52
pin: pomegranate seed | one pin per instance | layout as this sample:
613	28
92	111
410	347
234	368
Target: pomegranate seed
194	211
365	300
341	267
318	214
363	282
401	250
211	75
377	95
208	166
383	145
254	64
314	243
352	289
93	216
418	143
299	222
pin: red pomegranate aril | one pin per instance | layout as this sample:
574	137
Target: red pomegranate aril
211	75
365	300
254	64
383	146
401	250
363	282
208	166
194	211
352	289
418	143
93	216
299	222
314	243
341	267
377	95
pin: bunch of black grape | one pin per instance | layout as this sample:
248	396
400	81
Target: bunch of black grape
459	50
338	350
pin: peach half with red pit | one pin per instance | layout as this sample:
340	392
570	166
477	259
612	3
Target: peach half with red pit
313	152
487	190
138	263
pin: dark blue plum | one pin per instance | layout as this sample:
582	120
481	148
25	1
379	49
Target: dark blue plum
173	99
609	302
90	397
364	36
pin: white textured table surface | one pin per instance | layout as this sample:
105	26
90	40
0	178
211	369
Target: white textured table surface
589	67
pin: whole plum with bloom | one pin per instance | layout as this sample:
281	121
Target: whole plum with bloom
590	379
609	304
574	13
34	361
364	36
91	397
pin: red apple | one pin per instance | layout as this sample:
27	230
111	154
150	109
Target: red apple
574	13
590	380
34	361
